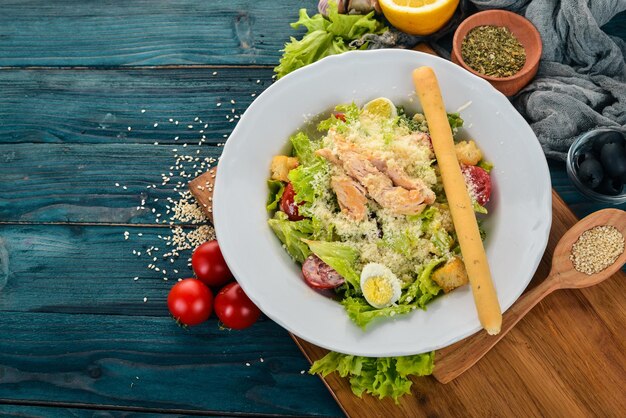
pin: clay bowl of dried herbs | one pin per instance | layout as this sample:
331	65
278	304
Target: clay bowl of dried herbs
502	47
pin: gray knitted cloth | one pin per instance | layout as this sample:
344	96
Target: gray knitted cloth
581	82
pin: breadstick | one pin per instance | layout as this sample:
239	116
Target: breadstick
461	208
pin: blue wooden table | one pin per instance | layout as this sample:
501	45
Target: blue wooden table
90	93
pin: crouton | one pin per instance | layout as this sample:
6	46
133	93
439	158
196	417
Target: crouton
468	153
451	275
281	166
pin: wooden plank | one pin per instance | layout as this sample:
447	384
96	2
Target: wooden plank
98	106
202	189
101	183
545	366
152	363
145	32
68	410
86	269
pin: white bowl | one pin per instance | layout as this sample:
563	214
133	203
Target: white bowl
518	224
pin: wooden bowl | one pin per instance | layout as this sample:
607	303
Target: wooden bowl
523	30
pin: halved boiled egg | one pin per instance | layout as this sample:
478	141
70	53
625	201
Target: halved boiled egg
380	287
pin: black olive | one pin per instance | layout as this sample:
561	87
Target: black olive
613	158
611	137
610	186
588	155
590	173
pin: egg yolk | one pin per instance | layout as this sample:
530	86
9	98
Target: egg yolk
378	290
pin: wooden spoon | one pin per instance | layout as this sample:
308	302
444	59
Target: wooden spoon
453	360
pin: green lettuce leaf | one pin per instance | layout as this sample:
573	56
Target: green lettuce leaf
325	36
362	313
485	165
351	113
442	240
303	148
455	121
291	235
478	208
382	377
423	289
306	182
276	188
339	256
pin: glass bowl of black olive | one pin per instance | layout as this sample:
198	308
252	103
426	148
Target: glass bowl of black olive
596	164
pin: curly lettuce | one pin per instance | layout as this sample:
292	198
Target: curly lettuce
340	256
276	189
325	36
291	234
382	377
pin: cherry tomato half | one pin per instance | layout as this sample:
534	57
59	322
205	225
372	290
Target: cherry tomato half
289	205
234	308
209	264
341	116
478	183
190	302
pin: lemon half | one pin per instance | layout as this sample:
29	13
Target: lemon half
418	17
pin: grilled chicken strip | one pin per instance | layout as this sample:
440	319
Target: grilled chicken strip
378	185
399	178
350	195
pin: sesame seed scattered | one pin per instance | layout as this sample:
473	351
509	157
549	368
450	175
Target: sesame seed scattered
214	72
136	278
117	185
129	128
232	101
124	187
218	105
302	371
144	301
248	364
143	110
155	124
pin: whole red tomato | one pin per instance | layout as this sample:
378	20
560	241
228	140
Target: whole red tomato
190	302
234	308
478	182
209	264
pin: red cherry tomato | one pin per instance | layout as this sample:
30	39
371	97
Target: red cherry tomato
190	302
288	204
478	182
209	264
341	116
234	308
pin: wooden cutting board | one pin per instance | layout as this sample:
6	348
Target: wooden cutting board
567	357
